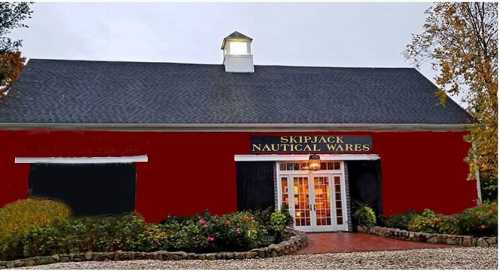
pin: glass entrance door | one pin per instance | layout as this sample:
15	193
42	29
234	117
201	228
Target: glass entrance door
316	199
322	201
301	201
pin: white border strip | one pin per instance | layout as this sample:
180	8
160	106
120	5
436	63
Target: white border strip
302	157
82	160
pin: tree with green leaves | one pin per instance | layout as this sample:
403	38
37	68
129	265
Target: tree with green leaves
460	41
12	16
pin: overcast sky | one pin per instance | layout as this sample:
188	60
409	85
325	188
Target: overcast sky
324	34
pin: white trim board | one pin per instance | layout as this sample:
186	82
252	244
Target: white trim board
82	160
302	157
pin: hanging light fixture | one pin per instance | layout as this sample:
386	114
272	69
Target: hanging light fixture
314	162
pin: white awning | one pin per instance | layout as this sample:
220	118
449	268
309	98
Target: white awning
302	157
82	160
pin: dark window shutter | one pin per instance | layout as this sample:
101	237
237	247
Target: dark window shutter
365	184
255	185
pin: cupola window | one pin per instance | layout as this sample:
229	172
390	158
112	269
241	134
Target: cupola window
238	48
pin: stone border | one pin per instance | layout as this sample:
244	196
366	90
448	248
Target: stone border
435	238
297	241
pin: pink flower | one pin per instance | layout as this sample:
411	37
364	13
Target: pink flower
202	221
238	230
210	238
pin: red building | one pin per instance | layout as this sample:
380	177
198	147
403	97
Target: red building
177	139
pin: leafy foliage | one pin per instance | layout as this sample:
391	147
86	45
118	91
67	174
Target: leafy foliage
280	219
427	221
489	188
238	231
365	215
477	221
12	16
200	233
11	65
460	39
399	221
23	215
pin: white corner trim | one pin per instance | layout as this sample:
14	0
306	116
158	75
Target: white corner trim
82	160
302	157
478	187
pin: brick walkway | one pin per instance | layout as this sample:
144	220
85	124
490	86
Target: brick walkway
353	242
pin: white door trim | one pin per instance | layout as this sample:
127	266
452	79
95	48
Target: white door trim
82	160
330	174
302	157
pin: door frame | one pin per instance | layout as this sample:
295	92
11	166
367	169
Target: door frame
310	176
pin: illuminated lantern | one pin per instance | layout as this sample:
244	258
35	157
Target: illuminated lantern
314	162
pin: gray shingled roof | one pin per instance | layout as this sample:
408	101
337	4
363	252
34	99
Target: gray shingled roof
64	91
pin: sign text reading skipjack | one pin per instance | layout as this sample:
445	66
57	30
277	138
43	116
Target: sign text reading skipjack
314	143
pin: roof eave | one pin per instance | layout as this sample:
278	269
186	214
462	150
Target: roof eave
237	127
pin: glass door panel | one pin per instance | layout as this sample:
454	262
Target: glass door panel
322	202
338	200
284	192
302	214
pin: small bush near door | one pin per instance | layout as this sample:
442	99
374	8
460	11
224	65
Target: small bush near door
274	221
22	215
365	216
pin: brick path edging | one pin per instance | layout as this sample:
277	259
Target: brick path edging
297	241
435	238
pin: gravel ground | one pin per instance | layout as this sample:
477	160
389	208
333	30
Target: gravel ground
448	258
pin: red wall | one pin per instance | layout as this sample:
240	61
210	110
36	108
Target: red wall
191	172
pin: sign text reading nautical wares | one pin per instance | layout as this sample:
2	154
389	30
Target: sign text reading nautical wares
309	144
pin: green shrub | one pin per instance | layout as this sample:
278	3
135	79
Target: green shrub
399	221
448	225
365	216
479	221
489	187
279	222
201	233
127	232
21	216
238	231
289	219
427	221
263	216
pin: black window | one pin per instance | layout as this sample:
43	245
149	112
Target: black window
89	189
255	185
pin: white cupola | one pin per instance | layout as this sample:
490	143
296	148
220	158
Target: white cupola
237	50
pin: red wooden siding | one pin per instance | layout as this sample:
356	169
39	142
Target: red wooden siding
191	172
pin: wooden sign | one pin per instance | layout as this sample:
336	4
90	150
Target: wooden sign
311	144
